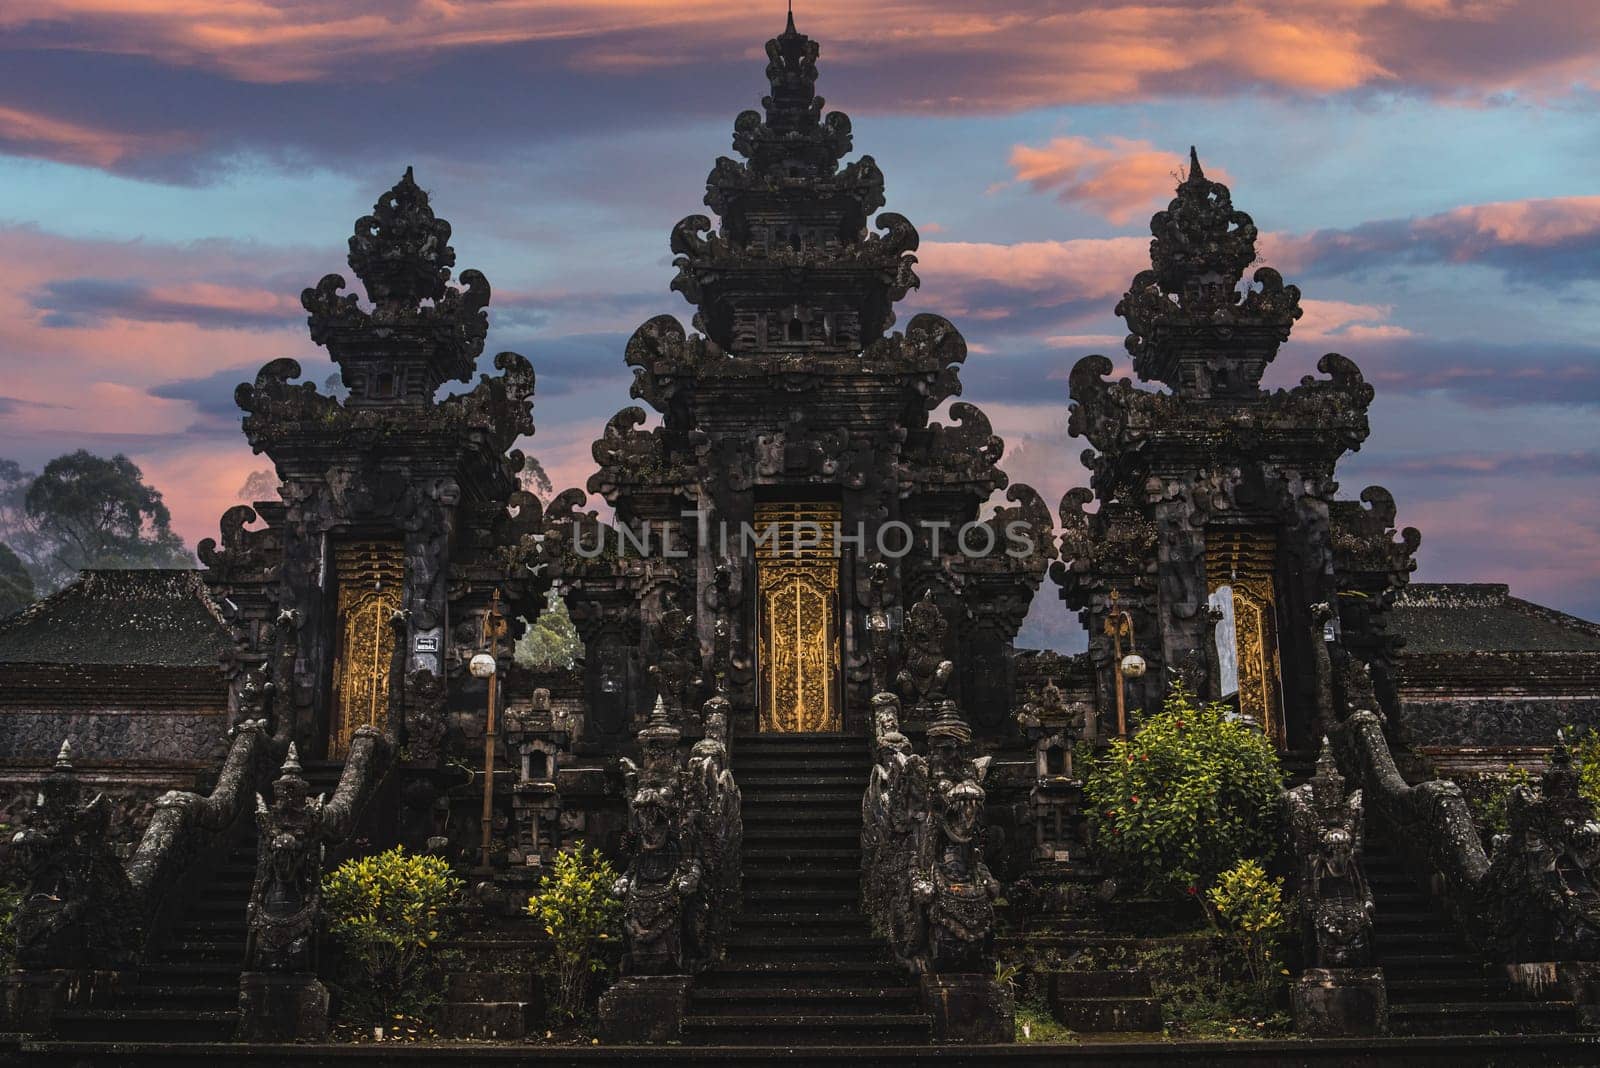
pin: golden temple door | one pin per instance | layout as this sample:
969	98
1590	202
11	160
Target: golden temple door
371	580
1242	563
798	617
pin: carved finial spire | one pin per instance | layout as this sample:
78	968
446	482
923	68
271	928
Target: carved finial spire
660	728
790	27
64	757
401	252
291	763
949	723
1195	173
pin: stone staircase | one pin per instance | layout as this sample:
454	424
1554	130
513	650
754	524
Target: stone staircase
802	966
1437	985
190	991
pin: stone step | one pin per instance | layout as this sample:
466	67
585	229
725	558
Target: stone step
776	831
798	853
1405	919
1475	1018
761	777
1110	983
1108	1014
757	901
812	1001
840	921
875	1029
799	973
1414	940
193	927
219	908
824	797
789	765
181	973
221	951
134	1025
1447	989
152	996
1413	964
776	877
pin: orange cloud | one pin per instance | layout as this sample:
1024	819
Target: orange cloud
30	133
1119	178
964	56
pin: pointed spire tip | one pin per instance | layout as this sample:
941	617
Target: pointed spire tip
1195	173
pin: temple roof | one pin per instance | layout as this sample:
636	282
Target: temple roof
1450	617
148	617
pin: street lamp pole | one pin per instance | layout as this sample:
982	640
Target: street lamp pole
486	665
1119	625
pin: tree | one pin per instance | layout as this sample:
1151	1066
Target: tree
16	585
553	641
95	512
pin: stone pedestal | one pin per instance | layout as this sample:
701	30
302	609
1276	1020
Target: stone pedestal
30	1000
491	1005
644	1010
968	1008
281	1007
1330	1002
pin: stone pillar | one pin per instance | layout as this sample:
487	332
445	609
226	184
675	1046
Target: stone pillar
281	1007
644	1010
968	1007
1337	1002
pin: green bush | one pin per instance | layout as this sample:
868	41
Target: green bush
1251	904
10	902
584	921
1184	799
1587	756
1486	795
387	912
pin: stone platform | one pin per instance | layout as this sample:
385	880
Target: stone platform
1411	1052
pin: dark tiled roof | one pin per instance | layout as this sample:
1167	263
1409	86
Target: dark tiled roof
1450	617
148	617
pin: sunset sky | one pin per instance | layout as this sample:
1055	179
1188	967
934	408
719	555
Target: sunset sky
174	172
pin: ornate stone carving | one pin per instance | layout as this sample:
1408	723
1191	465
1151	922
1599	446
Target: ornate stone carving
926	671
286	897
924	882
1335	904
685	828
77	906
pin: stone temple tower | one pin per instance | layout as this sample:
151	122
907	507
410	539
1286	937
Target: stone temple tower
793	401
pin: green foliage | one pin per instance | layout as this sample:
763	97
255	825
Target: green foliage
583	919
1205	989
83	511
10	902
552	641
1251	904
387	911
1587	756
16	585
1486	796
1184	799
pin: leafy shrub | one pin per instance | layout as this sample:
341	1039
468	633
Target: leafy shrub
584	921
1486	795
1252	906
1587	756
10	902
387	911
1185	798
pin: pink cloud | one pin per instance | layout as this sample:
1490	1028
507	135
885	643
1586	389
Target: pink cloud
1119	178
34	134
966	56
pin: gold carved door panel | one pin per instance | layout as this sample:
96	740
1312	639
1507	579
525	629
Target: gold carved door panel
798	609
371	581
1244	562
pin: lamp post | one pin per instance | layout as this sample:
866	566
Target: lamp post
1119	625
486	666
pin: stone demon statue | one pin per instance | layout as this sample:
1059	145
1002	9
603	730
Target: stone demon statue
1335	902
286	897
1548	866
925	883
78	908
685	827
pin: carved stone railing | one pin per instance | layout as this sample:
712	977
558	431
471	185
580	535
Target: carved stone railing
1534	901
280	997
189	831
681	885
